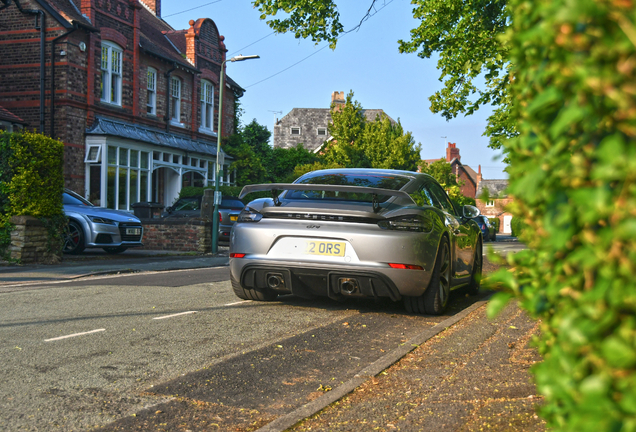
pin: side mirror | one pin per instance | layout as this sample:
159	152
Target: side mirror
470	211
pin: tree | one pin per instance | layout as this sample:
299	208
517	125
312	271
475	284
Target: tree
285	162
248	166
257	137
358	143
466	34
442	171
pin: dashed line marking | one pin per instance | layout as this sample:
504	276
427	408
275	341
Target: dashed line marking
241	302
174	315
74	335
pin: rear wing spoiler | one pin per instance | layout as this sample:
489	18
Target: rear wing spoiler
276	187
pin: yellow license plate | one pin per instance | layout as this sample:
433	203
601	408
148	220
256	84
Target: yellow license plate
233	218
325	248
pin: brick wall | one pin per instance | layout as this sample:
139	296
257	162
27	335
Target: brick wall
497	211
185	235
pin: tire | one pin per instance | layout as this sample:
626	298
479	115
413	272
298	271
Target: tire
74	239
475	276
253	293
435	298
115	249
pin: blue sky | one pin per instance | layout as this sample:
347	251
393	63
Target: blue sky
293	73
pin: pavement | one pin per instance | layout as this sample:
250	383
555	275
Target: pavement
467	373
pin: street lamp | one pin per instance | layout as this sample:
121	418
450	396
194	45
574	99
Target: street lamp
217	194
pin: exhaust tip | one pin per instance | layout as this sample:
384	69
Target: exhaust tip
275	280
348	286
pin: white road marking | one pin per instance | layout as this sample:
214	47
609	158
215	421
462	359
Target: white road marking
174	315
74	335
241	302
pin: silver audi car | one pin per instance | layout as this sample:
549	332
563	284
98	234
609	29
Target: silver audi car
342	233
97	227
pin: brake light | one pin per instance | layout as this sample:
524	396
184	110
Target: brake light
405	266
237	255
220	218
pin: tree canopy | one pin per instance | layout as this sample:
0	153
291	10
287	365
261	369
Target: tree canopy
467	35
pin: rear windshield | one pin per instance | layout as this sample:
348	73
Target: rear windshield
362	180
233	204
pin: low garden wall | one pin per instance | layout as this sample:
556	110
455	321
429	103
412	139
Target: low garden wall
30	242
183	235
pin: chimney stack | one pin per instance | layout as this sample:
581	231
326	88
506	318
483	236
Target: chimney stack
337	98
479	178
452	152
153	5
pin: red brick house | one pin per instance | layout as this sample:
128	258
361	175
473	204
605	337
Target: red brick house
134	101
495	206
10	122
463	172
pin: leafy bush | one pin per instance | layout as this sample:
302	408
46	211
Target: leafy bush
572	172
495	223
517	226
31	183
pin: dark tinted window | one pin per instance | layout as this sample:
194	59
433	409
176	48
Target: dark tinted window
71	198
441	197
231	203
187	204
341	179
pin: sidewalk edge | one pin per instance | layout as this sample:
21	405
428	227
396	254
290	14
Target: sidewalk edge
288	420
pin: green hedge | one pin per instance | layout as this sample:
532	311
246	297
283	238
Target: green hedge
234	191
495	222
518	227
573	174
31	182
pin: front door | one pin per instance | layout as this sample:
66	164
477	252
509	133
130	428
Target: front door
506	224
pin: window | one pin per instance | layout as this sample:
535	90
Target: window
207	105
175	100
128	177
490	203
295	131
322	131
111	73
93	154
443	202
151	85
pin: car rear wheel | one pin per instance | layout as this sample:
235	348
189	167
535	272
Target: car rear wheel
435	298
475	276
252	293
74	239
115	249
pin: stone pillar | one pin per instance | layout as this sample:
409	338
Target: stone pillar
30	242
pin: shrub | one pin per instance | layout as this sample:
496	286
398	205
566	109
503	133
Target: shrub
517	226
495	223
572	172
31	183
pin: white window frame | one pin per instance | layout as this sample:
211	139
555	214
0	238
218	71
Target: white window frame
151	86
111	65
207	107
321	131
96	157
295	129
175	101
490	203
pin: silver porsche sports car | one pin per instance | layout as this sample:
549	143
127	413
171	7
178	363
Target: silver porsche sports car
356	233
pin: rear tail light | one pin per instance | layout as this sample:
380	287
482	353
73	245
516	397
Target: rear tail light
417	223
237	255
220	217
405	266
249	215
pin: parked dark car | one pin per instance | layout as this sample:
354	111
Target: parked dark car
90	226
355	233
487	229
190	207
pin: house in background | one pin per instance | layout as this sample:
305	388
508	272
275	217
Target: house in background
495	206
309	126
10	122
134	101
463	172
474	186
